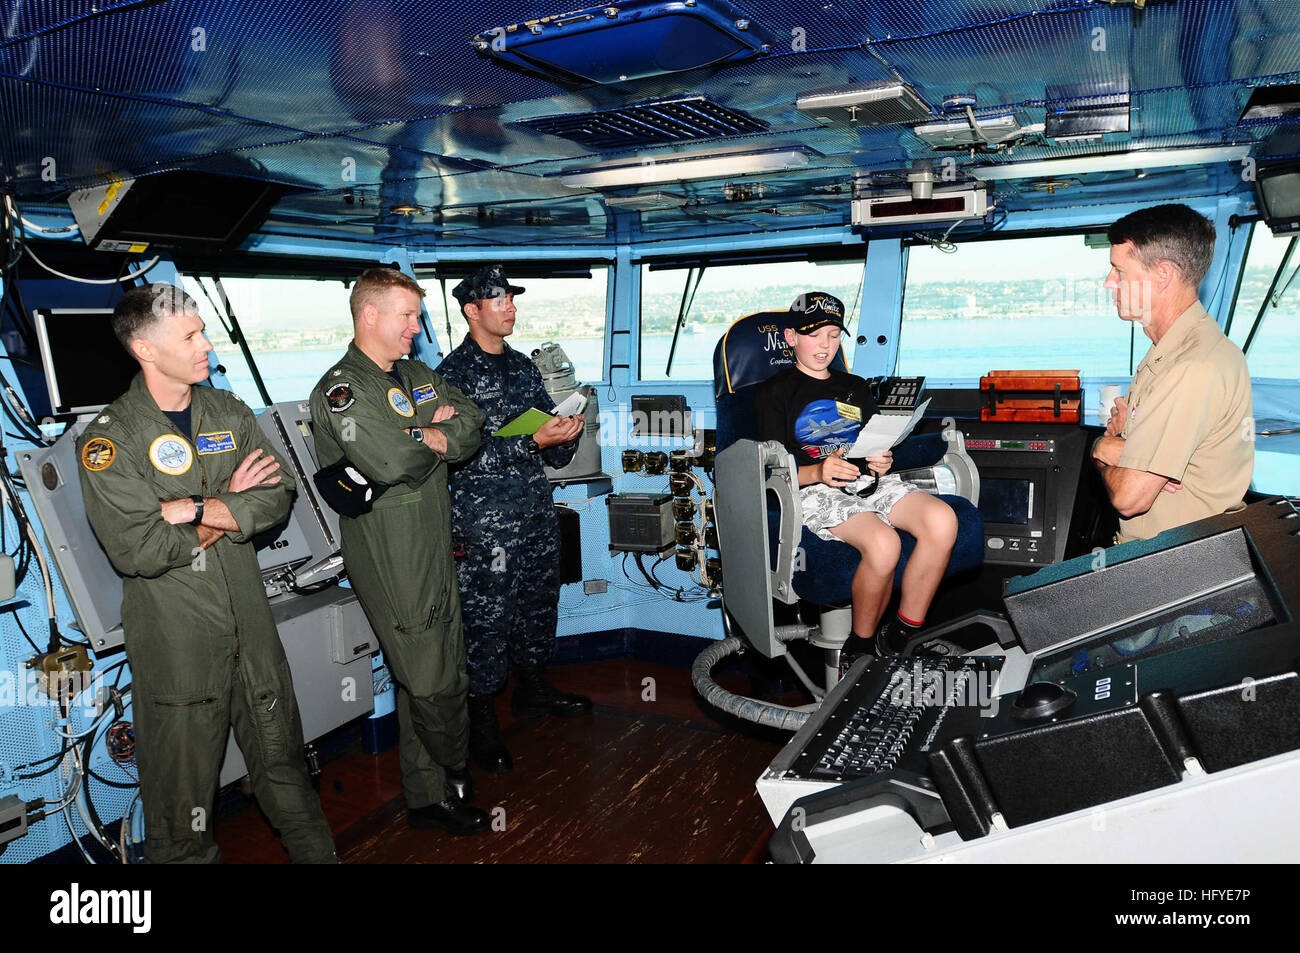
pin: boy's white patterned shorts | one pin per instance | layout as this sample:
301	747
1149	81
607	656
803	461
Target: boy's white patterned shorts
826	506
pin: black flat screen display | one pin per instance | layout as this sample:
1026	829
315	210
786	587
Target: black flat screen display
1006	500
86	366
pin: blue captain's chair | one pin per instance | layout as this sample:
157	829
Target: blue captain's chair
766	551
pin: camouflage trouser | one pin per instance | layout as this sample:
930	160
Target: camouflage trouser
509	591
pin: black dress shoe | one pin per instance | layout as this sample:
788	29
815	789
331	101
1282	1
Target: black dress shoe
535	695
486	746
459	784
451	815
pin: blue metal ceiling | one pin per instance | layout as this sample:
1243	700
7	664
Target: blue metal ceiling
367	104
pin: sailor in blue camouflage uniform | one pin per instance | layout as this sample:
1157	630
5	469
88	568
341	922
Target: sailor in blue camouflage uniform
503	514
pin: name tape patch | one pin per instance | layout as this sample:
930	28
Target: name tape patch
221	441
423	393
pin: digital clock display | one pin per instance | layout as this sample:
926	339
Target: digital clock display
1033	446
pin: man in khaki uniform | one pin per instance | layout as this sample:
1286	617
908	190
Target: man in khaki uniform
1180	445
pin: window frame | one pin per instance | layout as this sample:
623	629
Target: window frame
812	254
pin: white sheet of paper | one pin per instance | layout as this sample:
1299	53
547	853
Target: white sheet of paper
573	404
884	431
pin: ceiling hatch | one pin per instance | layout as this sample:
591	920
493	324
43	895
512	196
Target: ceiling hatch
646	124
634	40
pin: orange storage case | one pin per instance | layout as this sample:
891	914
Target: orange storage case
1045	397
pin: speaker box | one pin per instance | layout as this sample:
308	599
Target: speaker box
570	544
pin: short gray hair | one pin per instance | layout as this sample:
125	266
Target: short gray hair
1172	233
141	308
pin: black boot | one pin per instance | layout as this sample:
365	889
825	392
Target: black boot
452	815
893	637
486	746
853	649
459	784
535	695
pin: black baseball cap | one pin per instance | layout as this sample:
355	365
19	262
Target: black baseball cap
816	309
490	281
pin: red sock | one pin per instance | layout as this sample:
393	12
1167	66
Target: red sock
908	622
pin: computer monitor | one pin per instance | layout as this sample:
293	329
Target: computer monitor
1277	190
85	365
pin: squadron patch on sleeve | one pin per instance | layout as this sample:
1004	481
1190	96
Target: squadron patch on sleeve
423	393
221	441
400	402
171	455
340	397
97	454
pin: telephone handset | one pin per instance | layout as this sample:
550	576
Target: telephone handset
897	395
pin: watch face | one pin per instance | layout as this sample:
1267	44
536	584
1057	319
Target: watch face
417	433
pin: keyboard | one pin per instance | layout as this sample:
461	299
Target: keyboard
895	713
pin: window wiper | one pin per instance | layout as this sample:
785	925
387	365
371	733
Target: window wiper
688	298
1273	296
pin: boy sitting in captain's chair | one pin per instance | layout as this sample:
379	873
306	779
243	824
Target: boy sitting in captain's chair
816	413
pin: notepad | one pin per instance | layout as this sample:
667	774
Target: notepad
529	422
532	419
884	431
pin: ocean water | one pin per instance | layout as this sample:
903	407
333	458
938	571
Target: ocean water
1098	345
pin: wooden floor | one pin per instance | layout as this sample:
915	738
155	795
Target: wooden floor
637	781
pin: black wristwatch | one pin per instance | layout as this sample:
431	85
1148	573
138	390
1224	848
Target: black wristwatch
418	434
532	446
198	510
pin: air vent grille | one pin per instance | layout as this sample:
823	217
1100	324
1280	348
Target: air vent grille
645	124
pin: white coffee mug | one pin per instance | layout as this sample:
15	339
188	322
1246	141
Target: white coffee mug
1108	394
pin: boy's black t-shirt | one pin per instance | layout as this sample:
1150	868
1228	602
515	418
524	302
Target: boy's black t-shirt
812	417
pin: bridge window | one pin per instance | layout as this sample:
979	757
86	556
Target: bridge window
569	309
1274	350
1023	303
721	294
296	328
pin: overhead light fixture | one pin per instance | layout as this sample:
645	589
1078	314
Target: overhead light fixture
882	103
678	169
1115	162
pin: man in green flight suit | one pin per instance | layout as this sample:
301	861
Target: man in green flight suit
398	423
177	479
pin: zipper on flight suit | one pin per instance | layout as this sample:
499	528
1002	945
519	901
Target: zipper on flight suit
203	486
